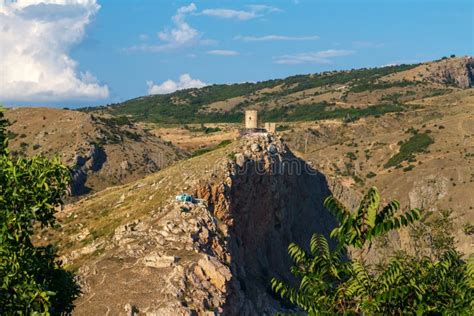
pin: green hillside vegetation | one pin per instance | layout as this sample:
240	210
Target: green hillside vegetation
368	84
415	144
321	111
202	151
184	106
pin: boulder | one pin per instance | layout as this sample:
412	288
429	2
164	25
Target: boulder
159	261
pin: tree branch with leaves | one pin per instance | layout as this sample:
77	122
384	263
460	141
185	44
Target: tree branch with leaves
330	284
32	280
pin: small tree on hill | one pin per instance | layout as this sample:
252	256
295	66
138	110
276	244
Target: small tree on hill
406	285
31	278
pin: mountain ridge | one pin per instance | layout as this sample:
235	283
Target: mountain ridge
278	99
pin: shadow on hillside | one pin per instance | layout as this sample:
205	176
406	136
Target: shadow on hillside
84	165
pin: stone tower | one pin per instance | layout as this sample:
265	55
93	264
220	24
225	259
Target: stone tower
251	119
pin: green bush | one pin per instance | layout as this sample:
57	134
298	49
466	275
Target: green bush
415	144
351	155
371	174
408	168
32	279
468	229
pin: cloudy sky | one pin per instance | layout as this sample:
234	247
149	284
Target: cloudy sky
93	52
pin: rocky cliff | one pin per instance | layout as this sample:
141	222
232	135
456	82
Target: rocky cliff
216	256
459	72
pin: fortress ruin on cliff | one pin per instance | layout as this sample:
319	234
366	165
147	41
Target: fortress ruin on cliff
252	124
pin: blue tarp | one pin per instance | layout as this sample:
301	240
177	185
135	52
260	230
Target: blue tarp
185	198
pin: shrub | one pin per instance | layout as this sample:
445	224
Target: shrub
468	229
32	279
371	174
408	168
351	156
415	144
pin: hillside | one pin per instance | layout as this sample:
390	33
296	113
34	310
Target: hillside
101	151
406	129
423	157
351	94
136	247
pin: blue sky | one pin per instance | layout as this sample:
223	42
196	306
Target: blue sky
125	49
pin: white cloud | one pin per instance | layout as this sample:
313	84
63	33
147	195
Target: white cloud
268	38
365	44
222	52
321	57
254	11
182	34
168	86
35	38
229	14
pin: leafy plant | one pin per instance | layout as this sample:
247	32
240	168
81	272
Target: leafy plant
366	222
3	133
332	284
32	280
468	229
433	234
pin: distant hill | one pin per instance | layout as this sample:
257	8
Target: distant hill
337	94
102	151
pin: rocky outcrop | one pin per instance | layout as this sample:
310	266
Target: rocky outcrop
216	256
90	162
458	72
269	199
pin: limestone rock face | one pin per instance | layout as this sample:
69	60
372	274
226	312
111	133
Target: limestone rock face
459	73
216	256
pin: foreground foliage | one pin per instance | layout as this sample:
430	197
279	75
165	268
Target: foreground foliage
332	284
31	278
